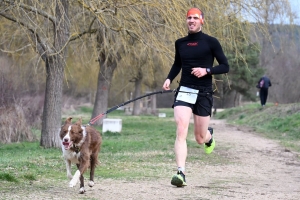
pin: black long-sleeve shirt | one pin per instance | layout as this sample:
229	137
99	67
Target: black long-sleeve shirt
197	50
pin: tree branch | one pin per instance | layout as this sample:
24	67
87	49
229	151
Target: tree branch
29	28
75	36
33	9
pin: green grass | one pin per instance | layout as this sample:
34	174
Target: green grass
280	122
8	177
143	150
28	161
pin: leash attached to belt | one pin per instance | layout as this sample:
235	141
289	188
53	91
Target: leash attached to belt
93	120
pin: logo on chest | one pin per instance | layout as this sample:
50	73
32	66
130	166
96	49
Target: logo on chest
192	44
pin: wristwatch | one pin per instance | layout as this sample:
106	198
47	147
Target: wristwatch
208	71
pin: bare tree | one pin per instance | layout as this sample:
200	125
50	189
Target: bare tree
52	50
107	59
155	24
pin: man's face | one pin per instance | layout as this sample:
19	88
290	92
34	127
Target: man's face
194	23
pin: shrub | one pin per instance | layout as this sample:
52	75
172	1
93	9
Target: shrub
13	125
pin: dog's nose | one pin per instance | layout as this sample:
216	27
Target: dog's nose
66	140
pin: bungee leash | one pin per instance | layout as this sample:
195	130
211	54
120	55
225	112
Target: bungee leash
96	118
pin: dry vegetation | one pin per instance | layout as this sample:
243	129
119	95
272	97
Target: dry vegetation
14	126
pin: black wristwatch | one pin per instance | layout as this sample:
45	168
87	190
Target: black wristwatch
208	71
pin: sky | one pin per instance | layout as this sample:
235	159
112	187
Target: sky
295	4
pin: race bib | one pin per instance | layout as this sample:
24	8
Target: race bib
188	95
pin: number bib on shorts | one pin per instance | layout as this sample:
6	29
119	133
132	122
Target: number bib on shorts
188	95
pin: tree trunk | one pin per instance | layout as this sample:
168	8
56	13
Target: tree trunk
153	104
103	86
52	105
235	99
55	65
137	93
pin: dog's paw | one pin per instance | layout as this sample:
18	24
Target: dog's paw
75	179
81	190
91	183
72	183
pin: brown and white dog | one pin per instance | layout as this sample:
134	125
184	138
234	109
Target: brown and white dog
80	145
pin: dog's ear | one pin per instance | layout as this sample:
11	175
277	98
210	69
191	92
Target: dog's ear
68	120
79	122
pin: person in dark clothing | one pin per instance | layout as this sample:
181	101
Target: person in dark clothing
263	84
194	57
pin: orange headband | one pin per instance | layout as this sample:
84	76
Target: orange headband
194	11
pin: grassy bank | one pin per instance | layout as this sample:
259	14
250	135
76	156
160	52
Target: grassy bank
279	122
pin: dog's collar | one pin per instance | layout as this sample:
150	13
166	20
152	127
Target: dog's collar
76	148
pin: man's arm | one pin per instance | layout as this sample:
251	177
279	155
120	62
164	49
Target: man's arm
176	67
218	53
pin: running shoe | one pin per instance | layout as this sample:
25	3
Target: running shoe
178	179
209	147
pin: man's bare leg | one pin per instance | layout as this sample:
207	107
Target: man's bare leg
182	115
202	135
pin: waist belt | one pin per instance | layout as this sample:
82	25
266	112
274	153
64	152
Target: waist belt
200	88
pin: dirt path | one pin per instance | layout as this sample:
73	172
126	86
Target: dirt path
261	169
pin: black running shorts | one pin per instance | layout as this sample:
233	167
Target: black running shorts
203	105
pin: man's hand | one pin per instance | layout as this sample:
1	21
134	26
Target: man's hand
166	85
199	72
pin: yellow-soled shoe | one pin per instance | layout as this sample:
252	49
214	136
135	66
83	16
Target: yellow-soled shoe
178	179
209	148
